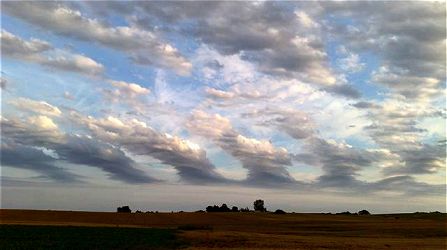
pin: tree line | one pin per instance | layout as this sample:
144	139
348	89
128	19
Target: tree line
258	206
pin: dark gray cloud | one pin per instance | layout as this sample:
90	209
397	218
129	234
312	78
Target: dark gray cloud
424	159
339	162
341	165
24	157
42	132
187	158
364	105
344	90
87	151
408	185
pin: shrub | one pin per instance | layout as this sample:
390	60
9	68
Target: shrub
363	212
279	211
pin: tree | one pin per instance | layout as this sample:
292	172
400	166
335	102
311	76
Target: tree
123	209
234	209
258	205
224	208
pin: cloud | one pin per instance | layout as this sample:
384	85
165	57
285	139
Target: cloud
407	185
143	47
72	62
216	93
411	44
41	131
130	89
25	157
295	123
339	161
41	52
3	83
265	163
131	94
15	46
33	130
350	63
396	127
345	90
280	41
39	107
88	151
135	136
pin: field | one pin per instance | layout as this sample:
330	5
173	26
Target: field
92	230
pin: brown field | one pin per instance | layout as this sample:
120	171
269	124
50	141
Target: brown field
264	230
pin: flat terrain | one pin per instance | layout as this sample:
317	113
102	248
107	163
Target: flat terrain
233	230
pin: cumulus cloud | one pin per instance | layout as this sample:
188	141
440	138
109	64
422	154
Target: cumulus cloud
396	126
40	107
129	93
279	40
41	52
72	62
41	131
340	162
265	163
15	46
144	47
409	39
138	138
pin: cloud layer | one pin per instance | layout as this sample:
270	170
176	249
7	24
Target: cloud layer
334	96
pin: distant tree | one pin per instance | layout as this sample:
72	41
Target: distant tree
347	213
214	208
123	209
258	205
234	209
279	211
363	212
224	208
245	209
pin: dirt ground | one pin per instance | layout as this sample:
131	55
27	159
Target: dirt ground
265	230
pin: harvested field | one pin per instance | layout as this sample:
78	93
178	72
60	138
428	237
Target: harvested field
262	230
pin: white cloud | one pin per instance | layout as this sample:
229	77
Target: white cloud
40	107
41	52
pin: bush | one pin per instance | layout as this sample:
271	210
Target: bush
345	213
279	211
363	212
245	209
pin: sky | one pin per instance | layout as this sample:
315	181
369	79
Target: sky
311	106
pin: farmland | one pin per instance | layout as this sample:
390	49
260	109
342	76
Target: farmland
225	230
